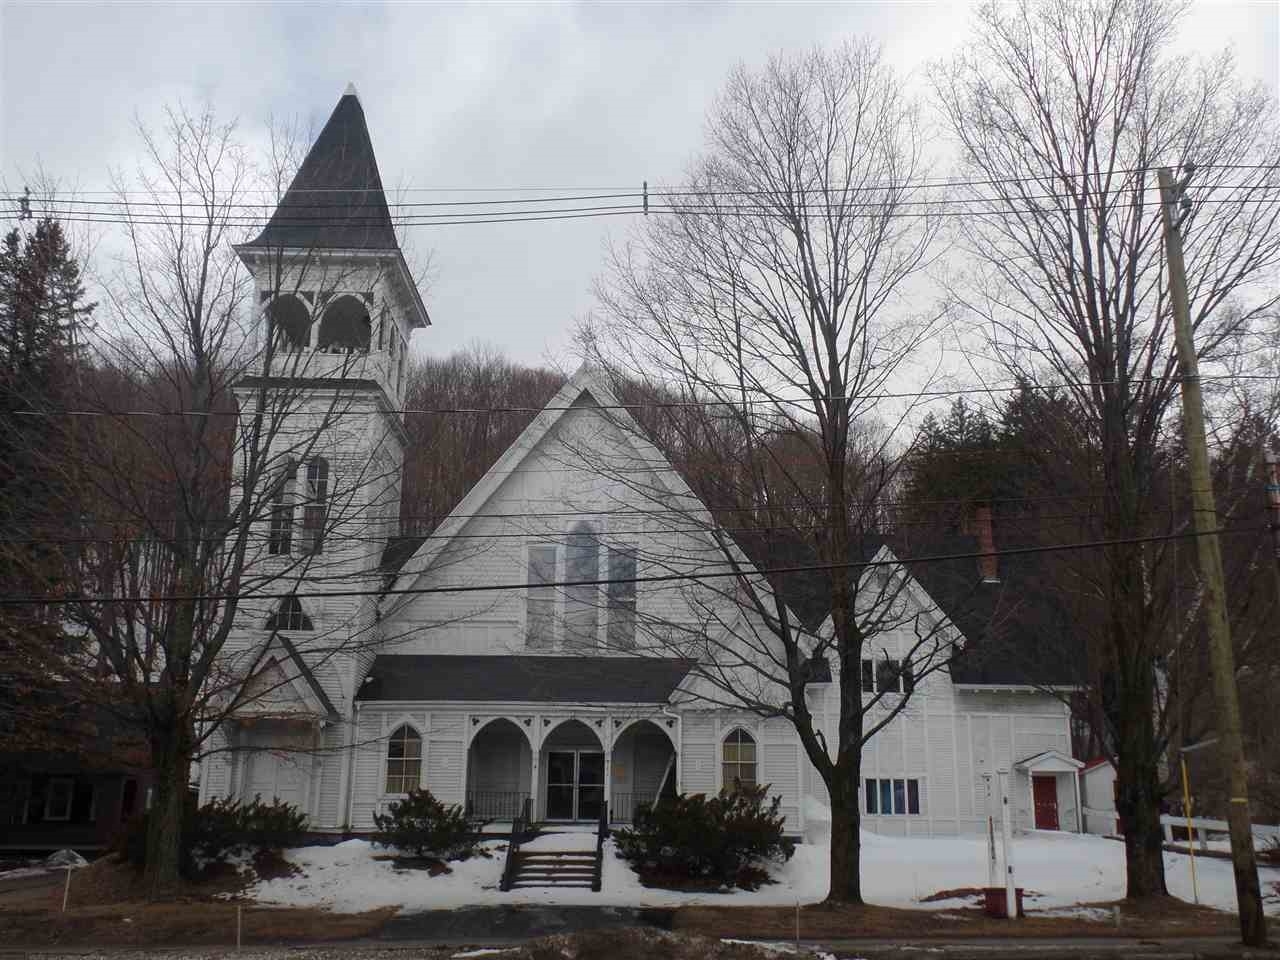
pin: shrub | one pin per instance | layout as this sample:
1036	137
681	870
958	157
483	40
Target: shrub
422	825
718	841
221	827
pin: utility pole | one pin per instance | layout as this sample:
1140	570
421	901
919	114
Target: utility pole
1273	502
1253	927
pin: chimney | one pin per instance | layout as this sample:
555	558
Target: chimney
986	545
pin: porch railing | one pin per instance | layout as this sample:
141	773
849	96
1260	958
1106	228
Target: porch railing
496	804
622	807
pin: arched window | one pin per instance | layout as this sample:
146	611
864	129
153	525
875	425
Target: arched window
289	616
739	760
345	327
315	497
288	323
404	760
582	603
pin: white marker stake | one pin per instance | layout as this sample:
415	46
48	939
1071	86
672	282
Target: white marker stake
1006	836
238	918
66	890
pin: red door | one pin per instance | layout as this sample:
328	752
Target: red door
1044	791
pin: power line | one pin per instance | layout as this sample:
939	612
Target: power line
1008	205
832	199
604	581
926	183
762	529
658	404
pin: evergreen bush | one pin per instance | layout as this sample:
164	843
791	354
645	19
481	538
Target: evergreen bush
221	827
722	841
422	825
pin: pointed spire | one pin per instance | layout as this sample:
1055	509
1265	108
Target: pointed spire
351	91
336	199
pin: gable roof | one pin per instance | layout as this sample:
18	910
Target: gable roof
586	383
1018	633
336	200
520	678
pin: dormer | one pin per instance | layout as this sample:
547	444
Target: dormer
334	295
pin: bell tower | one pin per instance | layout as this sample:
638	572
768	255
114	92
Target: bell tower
321	402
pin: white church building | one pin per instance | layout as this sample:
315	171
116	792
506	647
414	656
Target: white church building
508	657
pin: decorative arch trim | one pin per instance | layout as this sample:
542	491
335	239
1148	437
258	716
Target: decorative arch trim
668	732
479	724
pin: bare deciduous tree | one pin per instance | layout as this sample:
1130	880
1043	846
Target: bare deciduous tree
1062	111
214	480
768	302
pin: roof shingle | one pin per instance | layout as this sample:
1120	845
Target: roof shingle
517	678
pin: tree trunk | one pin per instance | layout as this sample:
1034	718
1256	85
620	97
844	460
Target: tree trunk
172	765
1138	796
846	849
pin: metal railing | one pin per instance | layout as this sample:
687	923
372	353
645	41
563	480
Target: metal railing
602	831
622	806
496	804
520	825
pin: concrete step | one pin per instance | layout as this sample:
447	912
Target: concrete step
554	874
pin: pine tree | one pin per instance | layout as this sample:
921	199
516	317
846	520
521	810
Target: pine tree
43	315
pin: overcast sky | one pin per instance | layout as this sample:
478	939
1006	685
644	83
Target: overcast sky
463	96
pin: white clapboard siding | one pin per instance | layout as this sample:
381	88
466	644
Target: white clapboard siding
781	770
446	759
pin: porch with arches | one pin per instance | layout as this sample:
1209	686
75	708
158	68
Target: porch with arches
568	767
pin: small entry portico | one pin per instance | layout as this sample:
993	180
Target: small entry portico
1053	785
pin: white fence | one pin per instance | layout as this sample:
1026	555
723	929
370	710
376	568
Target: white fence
1201	827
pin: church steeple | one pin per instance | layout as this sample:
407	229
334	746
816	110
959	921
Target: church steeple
336	200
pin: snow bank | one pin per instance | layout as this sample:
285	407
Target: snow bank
1059	870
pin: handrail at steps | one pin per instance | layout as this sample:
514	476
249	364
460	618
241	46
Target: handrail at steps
602	831
519	826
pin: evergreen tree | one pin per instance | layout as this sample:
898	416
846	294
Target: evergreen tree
43	313
954	465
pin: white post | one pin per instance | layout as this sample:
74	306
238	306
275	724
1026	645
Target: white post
991	851
1006	836
1075	778
991	836
66	890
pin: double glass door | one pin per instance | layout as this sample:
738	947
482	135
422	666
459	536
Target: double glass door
575	784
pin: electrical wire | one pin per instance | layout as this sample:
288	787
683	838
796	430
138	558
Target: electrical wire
655	405
604	581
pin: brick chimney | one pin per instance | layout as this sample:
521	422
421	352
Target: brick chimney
987	563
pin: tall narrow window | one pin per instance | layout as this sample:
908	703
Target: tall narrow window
622	598
739	760
540	604
280	534
404	760
582	604
315	497
289	616
889	676
868	676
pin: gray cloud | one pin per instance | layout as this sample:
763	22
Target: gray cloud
521	95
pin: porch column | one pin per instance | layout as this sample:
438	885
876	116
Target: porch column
535	764
1075	779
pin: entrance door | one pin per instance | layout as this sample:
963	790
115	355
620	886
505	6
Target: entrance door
590	785
575	784
561	780
1044	791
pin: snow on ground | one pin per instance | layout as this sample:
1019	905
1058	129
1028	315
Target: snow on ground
59	860
1059	870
